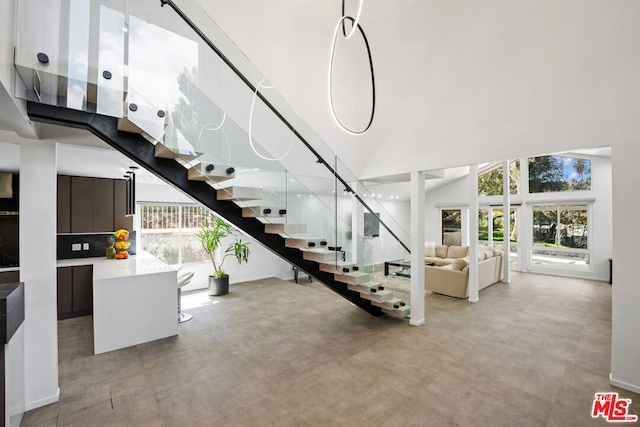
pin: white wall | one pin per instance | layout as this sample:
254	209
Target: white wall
262	262
625	348
38	271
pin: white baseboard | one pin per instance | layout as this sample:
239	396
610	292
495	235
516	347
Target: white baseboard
28	406
417	322
622	384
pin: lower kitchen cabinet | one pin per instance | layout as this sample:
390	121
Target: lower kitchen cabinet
75	291
9	276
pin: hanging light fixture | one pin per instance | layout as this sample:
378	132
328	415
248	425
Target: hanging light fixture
132	190
127	197
355	25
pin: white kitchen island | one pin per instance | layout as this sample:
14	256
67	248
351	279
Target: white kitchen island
134	300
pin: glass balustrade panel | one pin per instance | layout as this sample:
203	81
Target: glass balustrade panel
59	62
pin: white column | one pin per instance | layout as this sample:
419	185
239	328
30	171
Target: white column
525	220
417	248
625	292
506	210
473	233
38	271
357	225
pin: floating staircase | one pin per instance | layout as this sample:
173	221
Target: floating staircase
152	139
289	241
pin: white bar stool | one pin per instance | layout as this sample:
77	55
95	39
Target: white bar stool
183	280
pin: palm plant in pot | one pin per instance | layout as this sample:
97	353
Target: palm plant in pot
212	231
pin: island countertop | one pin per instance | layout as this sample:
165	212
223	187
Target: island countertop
134	300
140	264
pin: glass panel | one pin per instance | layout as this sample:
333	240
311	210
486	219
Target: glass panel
110	91
490	179
555	173
58	62
560	235
452	227
483	225
545	225
574	228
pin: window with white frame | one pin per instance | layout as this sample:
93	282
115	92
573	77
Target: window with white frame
451	227
560	235
168	233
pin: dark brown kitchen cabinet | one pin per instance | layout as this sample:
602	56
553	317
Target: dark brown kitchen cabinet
9	276
65	292
81	204
64	204
91	205
102	205
75	291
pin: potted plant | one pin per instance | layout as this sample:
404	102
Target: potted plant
213	230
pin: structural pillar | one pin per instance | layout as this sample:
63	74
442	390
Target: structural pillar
417	248
38	271
506	210
473	233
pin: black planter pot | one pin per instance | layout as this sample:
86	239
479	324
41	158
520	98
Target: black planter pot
218	286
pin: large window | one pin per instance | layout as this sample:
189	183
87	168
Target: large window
555	173
560	235
168	233
491	230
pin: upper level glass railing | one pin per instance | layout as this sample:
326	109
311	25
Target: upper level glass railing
162	79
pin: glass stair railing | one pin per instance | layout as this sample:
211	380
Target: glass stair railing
188	90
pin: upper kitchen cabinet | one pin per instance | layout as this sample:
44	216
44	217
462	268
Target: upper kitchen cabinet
103	205
81	204
91	205
64	204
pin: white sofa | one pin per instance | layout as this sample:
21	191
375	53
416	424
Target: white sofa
452	279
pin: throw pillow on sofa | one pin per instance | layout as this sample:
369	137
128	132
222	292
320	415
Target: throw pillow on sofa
459	264
430	249
441	251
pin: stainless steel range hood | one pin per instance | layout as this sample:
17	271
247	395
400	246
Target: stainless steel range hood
6	185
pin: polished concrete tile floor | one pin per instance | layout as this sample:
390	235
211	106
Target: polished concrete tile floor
276	353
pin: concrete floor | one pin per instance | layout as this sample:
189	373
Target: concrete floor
275	353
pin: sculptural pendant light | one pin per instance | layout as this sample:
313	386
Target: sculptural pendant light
355	24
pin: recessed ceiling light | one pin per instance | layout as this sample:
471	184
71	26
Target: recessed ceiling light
379	195
298	195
